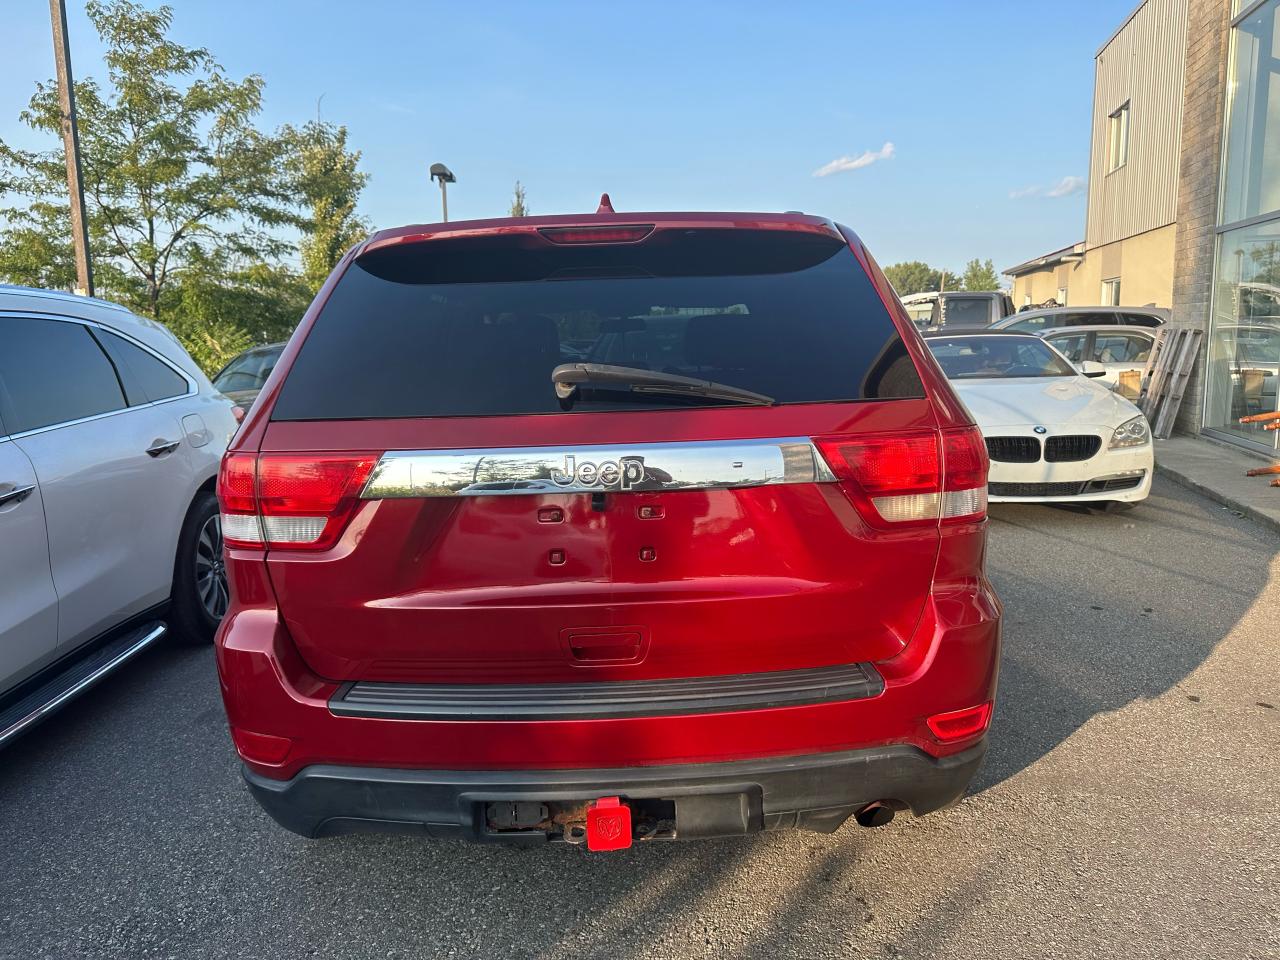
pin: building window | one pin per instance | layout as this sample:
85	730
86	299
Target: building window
1026	299
1251	165
1062	296
1118	138
1111	292
1243	352
1244	341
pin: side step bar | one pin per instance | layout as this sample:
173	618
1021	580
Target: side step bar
78	677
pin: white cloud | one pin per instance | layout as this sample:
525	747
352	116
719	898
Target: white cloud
865	159
1066	187
1063	188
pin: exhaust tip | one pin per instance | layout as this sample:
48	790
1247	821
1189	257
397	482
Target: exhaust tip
875	814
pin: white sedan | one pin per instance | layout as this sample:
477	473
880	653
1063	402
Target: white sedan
1054	433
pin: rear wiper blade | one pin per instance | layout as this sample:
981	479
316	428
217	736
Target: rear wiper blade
568	376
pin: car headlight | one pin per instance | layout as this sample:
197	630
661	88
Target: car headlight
1131	433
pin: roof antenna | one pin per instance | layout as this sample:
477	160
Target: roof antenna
606	206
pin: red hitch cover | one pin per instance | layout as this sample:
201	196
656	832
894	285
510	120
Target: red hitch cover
608	825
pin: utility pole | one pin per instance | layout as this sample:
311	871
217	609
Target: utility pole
71	144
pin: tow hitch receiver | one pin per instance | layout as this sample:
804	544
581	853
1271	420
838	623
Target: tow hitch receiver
608	824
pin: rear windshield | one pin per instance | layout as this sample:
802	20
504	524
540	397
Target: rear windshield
994	357
968	311
476	328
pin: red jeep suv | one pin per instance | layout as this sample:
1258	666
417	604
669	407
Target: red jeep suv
607	528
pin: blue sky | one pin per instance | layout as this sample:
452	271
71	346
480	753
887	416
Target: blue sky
947	125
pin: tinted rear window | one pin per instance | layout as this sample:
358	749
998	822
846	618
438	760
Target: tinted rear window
51	372
791	316
968	311
145	378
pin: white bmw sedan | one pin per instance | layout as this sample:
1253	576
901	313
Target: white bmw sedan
1054	433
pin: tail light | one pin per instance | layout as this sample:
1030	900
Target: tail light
298	501
965	465
913	478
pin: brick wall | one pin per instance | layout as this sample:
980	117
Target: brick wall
1202	116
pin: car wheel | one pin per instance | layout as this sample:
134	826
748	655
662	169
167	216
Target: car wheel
200	595
1118	506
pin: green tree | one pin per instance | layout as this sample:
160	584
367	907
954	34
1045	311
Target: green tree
220	306
329	183
915	276
191	209
981	275
519	208
172	163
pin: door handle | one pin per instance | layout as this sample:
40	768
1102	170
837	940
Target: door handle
16	495
161	447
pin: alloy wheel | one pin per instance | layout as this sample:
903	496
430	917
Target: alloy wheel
211	571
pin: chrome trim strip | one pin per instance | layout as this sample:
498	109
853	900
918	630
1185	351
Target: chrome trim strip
635	467
80	686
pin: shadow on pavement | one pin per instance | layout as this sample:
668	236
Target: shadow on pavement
1102	610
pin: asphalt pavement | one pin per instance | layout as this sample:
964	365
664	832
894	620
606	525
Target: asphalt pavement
1129	807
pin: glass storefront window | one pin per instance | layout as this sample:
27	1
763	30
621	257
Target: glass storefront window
1251	174
1244	335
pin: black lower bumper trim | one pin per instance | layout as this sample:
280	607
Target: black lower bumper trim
816	792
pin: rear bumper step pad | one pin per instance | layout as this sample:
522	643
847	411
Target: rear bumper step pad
607	699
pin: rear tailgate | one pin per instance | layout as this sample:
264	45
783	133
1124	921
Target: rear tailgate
492	532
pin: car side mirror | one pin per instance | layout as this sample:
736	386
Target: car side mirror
1091	369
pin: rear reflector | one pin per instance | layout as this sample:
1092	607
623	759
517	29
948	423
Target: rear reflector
959	724
913	478
299	501
609	234
260	747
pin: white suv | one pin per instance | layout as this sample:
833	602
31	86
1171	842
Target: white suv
110	439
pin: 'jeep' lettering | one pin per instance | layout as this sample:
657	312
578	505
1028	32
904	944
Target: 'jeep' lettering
624	473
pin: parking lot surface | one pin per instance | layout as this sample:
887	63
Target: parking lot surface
1130	805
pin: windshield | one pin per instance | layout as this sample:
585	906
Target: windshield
921	314
994	357
792	319
249	371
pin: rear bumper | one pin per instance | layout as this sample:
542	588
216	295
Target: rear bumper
714	799
317	769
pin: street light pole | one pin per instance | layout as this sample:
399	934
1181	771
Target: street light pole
71	145
442	173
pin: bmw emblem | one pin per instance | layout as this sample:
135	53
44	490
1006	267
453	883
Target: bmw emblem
1041	430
